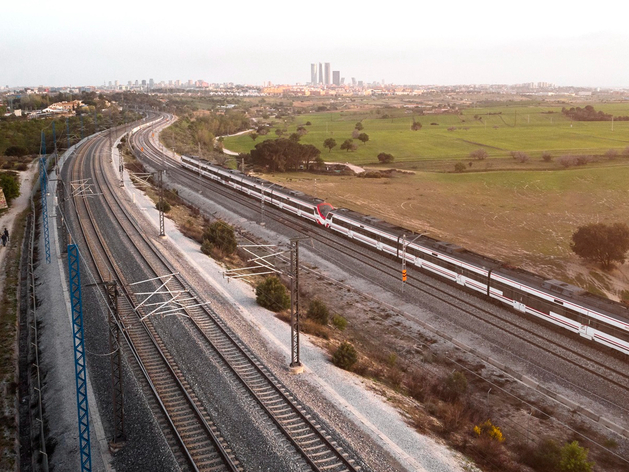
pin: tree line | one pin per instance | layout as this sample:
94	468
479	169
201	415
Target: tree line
588	113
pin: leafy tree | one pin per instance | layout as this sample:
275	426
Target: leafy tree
574	458
318	311
602	243
10	184
302	131
282	154
385	158
345	356
279	132
254	136
479	154
547	156
295	137
271	294
359	126
222	236
363	137
355	134
347	145
329	143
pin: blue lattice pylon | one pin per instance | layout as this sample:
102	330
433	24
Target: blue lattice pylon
43	181
80	366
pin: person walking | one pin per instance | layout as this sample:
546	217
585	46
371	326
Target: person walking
4	239
6	233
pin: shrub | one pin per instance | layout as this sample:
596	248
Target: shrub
567	161
611	154
206	247
345	356
163	206
487	429
452	128
16	151
339	322
459	167
454	387
520	156
271	294
385	158
574	458
479	154
222	236
547	156
583	160
10	184
318	311
544	457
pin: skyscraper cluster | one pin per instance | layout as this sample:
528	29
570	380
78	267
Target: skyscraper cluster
323	75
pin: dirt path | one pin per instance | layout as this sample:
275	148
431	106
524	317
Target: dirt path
18	205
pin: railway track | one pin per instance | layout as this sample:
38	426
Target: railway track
204	448
310	438
574	356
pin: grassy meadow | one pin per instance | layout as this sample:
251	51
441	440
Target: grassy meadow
498	130
522	213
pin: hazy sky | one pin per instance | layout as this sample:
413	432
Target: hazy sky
413	42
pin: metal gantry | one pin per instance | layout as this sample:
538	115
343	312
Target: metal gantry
115	359
295	362
80	367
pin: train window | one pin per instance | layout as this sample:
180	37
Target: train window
558	301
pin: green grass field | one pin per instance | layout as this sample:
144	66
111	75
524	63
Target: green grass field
517	128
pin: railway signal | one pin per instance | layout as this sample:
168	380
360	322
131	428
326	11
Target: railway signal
403	275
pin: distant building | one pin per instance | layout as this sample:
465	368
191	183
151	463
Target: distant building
313	74
353	81
151	83
320	73
336	77
143	82
327	80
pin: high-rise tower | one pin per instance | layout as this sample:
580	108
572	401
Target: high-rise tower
320	73
313	74
327	80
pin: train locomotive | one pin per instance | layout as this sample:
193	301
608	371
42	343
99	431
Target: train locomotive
567	306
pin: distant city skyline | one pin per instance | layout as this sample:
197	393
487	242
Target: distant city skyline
462	43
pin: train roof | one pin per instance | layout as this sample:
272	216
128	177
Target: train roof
371	221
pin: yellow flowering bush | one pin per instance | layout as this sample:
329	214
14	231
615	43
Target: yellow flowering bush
489	430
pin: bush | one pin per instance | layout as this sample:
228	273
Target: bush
479	154
567	161
339	322
454	387
459	167
520	156
489	430
10	185
345	356
574	458
163	206
547	156
16	151
271	294
611	154
385	158
222	236
206	247
318	312
544	457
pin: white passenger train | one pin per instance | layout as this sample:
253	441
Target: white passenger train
570	307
